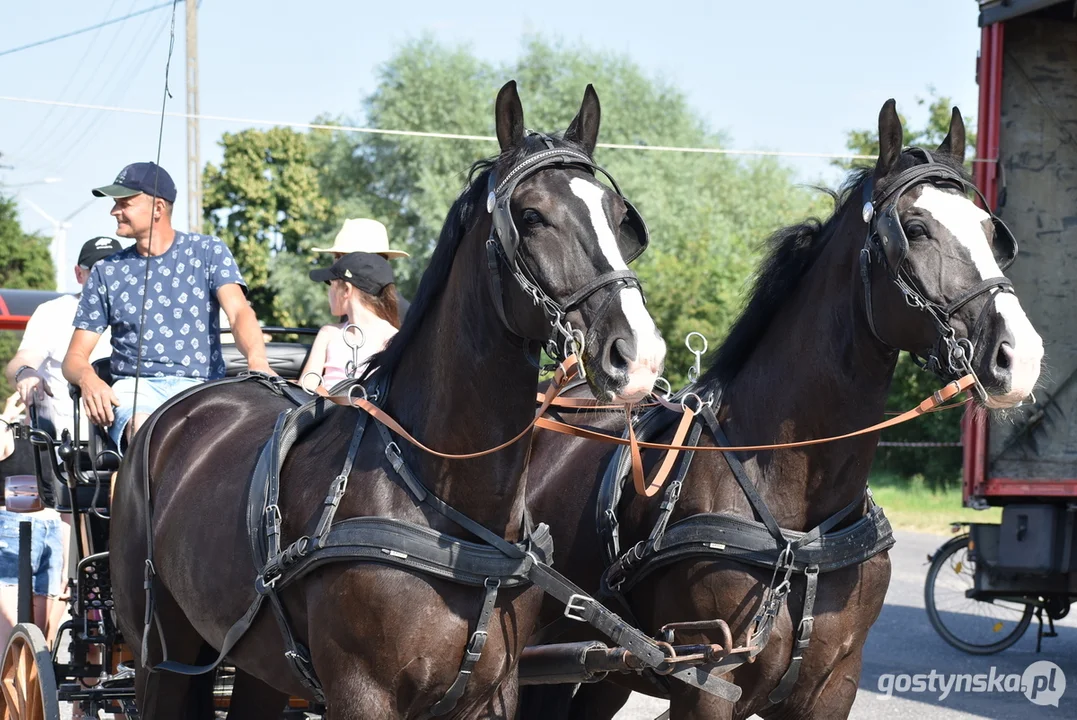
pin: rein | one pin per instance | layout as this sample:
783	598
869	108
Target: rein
938	402
565	372
934	403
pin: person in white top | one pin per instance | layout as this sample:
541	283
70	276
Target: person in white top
35	370
360	288
364	235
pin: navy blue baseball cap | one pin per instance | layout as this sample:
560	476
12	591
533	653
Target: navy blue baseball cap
139	178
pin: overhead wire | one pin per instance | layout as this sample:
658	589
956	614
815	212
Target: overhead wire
73	33
99	85
38	127
445	135
90	130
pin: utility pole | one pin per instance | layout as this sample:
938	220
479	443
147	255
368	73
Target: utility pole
194	162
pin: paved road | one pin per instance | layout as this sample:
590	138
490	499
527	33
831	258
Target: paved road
903	641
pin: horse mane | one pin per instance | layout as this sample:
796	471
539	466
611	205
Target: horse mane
461	218
792	252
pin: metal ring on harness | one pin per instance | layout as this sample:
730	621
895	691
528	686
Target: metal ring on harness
699	403
303	382
662	384
351	391
574	346
694	371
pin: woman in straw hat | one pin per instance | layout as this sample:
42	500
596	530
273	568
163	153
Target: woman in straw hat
366	236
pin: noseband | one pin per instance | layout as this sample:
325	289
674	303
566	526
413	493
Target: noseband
887	243
503	249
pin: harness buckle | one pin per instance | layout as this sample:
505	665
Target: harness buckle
476	644
577	608
263	586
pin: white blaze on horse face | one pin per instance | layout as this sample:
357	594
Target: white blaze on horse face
965	221
643	369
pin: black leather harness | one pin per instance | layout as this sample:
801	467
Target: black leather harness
761	542
490	563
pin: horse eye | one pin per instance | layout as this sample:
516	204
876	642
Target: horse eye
532	217
915	230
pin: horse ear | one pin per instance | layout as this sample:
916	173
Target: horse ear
890	139
954	142
583	130
509	117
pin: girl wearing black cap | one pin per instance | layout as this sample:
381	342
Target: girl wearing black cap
361	288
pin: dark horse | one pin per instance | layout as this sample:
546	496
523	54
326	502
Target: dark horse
811	356
387	642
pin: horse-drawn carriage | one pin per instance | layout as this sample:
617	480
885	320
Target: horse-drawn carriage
354	548
88	663
986	585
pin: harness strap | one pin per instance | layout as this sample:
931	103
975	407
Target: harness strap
564	373
743	480
638	479
949	391
339	485
472	652
627	277
803	637
428	498
1002	283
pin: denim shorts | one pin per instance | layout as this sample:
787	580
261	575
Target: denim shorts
152	394
46	552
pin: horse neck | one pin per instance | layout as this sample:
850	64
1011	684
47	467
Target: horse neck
818	371
465	384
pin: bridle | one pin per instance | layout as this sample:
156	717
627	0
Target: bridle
503	246
886	242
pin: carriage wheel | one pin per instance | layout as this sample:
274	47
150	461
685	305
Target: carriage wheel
979	627
27	680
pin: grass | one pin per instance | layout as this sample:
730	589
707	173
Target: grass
911	505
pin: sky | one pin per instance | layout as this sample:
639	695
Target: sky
780	75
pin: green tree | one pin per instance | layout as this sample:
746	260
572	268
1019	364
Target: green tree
26	264
939	467
265	202
707	213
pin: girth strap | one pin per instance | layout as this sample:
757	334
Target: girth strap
803	636
472	651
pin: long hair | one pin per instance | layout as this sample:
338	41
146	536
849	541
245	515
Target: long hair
384	304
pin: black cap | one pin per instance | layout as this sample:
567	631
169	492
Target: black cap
98	249
366	271
140	178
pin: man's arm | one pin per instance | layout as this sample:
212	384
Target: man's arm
96	393
244	326
25	356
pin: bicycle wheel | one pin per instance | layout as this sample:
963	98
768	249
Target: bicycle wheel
978	627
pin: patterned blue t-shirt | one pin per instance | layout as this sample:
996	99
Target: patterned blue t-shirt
182	332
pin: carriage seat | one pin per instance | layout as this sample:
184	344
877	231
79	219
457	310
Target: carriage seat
286	358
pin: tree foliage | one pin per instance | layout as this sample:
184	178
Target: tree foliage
265	202
708	214
25	263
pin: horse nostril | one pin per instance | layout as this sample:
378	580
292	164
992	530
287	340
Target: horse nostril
1004	358
620	354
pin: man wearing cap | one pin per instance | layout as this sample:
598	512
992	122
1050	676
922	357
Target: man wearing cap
366	236
161	297
35	370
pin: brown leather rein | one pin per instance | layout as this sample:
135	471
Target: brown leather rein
568	369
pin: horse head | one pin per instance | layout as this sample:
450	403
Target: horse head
933	266
559	249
